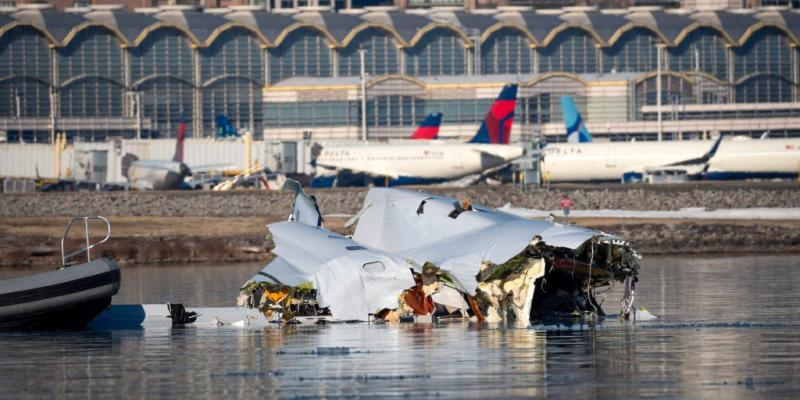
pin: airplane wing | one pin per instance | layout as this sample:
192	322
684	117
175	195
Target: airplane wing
704	159
691	166
374	171
214	168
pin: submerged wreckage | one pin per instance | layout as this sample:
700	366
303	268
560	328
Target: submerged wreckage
416	256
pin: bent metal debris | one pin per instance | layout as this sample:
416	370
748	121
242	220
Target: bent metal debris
419	257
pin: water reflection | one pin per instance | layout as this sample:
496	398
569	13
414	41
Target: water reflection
697	348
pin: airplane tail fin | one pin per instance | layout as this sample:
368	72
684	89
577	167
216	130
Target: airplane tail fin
225	128
304	209
496	127
576	127
127	160
179	142
429	127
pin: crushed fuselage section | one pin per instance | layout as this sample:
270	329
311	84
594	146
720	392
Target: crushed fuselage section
412	259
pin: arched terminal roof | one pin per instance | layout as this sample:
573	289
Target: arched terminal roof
338	25
128	24
198	24
270	25
406	25
55	24
539	27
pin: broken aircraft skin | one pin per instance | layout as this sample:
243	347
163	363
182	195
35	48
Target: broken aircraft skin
417	257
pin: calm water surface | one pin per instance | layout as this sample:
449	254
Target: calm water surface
728	329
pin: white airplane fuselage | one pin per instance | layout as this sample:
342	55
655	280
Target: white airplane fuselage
157	174
736	158
426	161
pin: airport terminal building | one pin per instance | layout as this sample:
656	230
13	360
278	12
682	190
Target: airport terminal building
106	72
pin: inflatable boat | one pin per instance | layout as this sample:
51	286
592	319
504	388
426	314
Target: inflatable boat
67	298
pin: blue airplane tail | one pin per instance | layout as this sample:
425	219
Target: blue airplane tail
225	128
496	127
576	127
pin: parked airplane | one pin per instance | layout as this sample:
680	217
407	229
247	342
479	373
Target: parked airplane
428	129
225	128
158	174
735	158
421	162
576	127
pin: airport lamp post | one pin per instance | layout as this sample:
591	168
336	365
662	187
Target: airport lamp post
136	103
659	49
362	53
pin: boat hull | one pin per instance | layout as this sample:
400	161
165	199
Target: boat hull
68	298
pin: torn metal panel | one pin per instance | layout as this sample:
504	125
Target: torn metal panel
304	208
467	261
508	290
351	280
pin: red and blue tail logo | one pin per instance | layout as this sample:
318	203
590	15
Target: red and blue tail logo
429	127
179	142
496	128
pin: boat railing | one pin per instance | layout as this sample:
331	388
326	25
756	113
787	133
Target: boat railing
89	245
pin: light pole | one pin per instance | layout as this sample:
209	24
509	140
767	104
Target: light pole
362	53
658	90
136	107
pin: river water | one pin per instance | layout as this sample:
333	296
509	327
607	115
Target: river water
728	328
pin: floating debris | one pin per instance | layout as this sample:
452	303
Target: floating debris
423	258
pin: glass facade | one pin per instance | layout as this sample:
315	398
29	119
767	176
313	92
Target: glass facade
239	99
24	97
165	52
165	101
380	57
765	44
572	50
91	75
439	52
395	111
304	52
635	51
459	111
94	51
24	53
764	89
236	52
24	73
506	51
92	97
703	50
311	114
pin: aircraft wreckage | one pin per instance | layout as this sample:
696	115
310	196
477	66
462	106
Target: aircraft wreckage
417	257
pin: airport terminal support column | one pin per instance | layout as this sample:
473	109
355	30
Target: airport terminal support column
362	54
729	59
54	95
795	77
197	112
659	51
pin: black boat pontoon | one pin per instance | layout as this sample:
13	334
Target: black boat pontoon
67	298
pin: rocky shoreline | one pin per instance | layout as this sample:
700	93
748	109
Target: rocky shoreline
210	227
349	201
